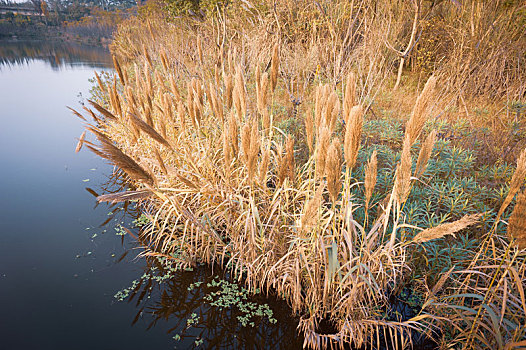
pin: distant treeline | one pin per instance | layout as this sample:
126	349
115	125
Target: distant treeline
85	18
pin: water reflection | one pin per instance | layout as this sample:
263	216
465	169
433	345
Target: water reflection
56	54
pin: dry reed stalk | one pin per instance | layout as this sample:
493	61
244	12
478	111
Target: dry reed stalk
228	92
102	110
77	113
310	213
334	169
124	196
274	68
262	93
160	161
174	89
146	55
81	142
402	185
148	115
425	153
257	78
110	152
200	49
138	78
371	173
130	97
322	95
349	100
93	116
164	60
168	106
322	144
99	82
227	148
309	132
517	180
118	69
233	130
253	149
332	109
217	105
263	167
289	158
239	94
449	228
149	130
217	80
419	114
181	115
353	135
517	221
115	97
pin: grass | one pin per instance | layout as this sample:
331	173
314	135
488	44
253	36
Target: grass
296	180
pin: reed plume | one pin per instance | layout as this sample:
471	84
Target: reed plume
118	69
371	173
517	221
227	78
81	142
217	105
334	169
310	213
274	68
332	109
239	94
349	100
76	113
322	144
425	153
149	130
262	93
164	60
160	161
402	185
103	110
174	89
353	135
517	180
124	196
419	114
449	228
112	153
99	82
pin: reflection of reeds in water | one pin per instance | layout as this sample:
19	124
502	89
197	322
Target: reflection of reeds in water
56	54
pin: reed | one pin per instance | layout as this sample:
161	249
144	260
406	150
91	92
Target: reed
237	186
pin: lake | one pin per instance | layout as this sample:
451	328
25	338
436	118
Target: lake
61	258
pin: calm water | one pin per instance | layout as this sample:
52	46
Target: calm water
59	265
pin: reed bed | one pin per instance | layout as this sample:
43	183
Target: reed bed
198	135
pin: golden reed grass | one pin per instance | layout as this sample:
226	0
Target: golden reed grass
517	221
353	135
425	153
449	228
334	169
419	114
